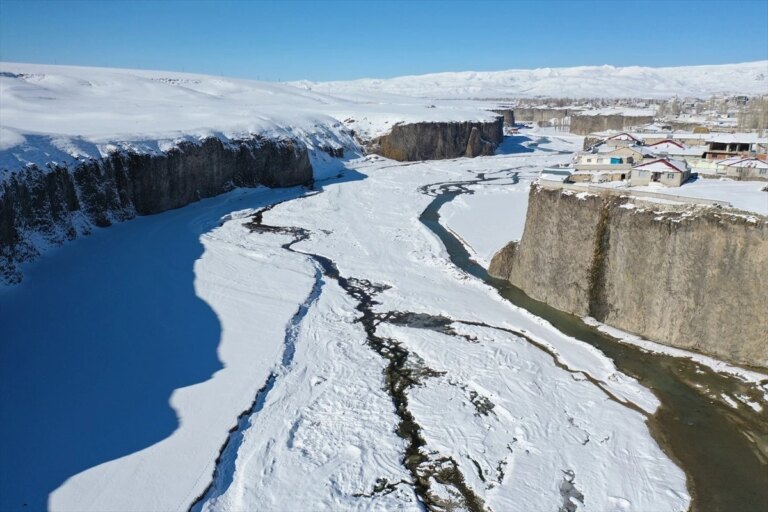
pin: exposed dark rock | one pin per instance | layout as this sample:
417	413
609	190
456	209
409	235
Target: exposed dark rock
477	145
590	141
436	141
501	263
508	114
336	152
58	203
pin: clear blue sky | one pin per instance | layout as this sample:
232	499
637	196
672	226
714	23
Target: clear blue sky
327	40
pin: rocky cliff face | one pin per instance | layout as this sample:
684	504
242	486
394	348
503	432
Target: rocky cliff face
39	207
508	115
542	115
585	124
441	140
690	277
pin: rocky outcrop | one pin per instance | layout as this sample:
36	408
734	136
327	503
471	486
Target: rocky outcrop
692	277
48	206
542	115
586	124
508	114
440	140
591	140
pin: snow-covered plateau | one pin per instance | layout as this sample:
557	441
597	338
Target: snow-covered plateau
61	113
303	348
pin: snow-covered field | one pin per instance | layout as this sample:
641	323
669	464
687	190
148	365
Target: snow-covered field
494	215
744	195
537	446
127	356
60	113
116	336
523	425
576	82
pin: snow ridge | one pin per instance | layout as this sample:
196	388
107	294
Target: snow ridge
574	82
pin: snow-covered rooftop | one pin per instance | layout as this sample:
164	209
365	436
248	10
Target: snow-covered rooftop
752	163
662	165
633	112
675	148
737	137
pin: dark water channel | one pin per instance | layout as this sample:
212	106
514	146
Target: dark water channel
723	450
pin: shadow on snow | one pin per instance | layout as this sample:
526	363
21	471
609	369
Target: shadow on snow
96	339
512	144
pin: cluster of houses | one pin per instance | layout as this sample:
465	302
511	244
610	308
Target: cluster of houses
668	158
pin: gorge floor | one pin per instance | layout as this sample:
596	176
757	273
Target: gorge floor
410	381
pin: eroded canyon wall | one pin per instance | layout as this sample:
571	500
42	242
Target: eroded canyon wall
440	140
692	277
542	114
586	124
508	114
49	206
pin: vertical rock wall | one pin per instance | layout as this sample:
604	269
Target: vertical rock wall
690	277
508	114
441	140
40	207
586	124
543	114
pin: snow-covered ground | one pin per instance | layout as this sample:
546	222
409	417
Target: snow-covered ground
744	195
575	82
543	414
521	424
128	356
477	219
59	113
116	337
495	213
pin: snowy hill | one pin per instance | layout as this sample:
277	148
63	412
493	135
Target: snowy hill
577	82
53	113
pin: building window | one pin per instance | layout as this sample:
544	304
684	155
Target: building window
670	175
763	172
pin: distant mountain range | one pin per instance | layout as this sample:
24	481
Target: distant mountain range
750	78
